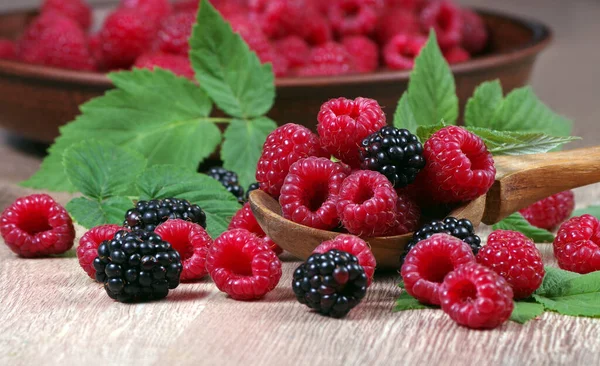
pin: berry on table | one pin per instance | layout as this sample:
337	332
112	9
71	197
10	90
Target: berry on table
352	245
551	211
178	65
244	219
446	19
401	51
77	10
577	244
174	33
328	59
354	17
474	33
147	215
229	180
363	51
87	250
8	49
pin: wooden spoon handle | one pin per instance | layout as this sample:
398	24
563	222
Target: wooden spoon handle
525	179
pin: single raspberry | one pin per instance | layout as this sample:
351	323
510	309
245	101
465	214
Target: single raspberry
332	283
278	18
310	192
191	241
8	49
294	49
408	215
456	55
174	33
402	50
396	21
252	187
577	244
344	123
189	5
445	18
354	17
474	32
242	265
147	215
355	246
551	211
229	180
37	226
459	166
317	29
367	204
476	297
283	147
328	59
364	52
87	250
178	65
76	10
429	262
152	10
244	219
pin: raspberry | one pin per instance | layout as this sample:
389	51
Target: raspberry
474	33
332	283
87	250
408	214
153	10
407	5
147	215
283	147
551	211
429	262
278	18
328	59
242	265
76	10
445	18
229	180
191	241
354	246
178	65
354	17
310	192
402	50
397	21
317	29
456	55
364	52
174	33
476	297
188	5
459	167
137	266
367	204
8	50
577	245
252	187
37	226
294	49
244	219
344	123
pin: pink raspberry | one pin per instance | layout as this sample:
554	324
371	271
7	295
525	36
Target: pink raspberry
427	264
364	52
408	215
354	17
456	55
367	204
279	18
8	49
174	33
474	33
396	21
87	250
344	123
244	219
310	192
283	147
402	50
153	10
294	49
317	29
577	245
516	258
76	10
445	18
179	65
551	211
328	59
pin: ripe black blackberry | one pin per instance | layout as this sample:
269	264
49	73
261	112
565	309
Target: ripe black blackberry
137	266
251	187
147	215
229	180
395	153
331	283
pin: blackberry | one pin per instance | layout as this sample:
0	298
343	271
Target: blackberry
395	153
229	180
331	283
251	187
137	266
147	215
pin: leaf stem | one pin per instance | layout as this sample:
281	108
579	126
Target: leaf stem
219	119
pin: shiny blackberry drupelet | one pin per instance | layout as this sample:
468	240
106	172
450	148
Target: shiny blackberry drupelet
147	215
461	229
251	187
229	180
331	283
395	153
137	266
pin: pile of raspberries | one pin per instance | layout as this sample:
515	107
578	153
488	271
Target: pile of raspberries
299	37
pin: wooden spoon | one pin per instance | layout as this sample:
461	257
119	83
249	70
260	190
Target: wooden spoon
520	181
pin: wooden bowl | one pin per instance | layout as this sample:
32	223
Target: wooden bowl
36	100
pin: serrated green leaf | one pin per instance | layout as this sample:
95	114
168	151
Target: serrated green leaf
519	143
404	117
89	213
407	302
425	132
526	311
590	210
242	146
576	296
431	89
226	68
517	222
553	279
484	104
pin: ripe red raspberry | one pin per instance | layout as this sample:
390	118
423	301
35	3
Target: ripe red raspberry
152	10
8	49
408	215
189	5
244	219
294	49
76	10
317	29
474	33
328	59
456	55
428	263
37	226
355	246
445	18
283	147
577	245
354	17
459	167
367	204
402	50
551	211
310	192
242	265
174	33
87	250
397	21
278	18
476	297
191	241
411	5
516	258
364	52
344	123
179	65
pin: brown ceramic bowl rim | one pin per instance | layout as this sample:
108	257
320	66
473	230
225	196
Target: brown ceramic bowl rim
542	36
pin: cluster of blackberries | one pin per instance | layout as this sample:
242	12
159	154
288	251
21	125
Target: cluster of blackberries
147	215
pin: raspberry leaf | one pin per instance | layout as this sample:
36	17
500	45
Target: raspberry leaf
425	132
553	279
484	104
407	302
526	311
578	295
590	210
226	68
517	222
519	143
404	117
90	213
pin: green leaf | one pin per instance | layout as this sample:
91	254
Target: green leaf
431	89
407	302
89	213
590	210
425	132
484	104
243	145
226	68
100	169
576	296
553	280
526	311
517	222
404	117
519	143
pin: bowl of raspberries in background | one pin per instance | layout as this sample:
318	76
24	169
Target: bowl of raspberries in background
55	58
